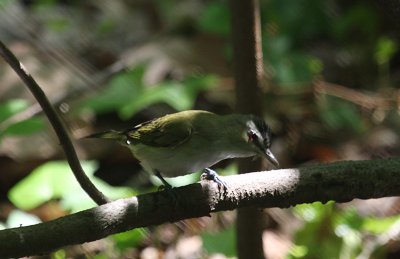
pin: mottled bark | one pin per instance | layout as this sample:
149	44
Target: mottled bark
341	181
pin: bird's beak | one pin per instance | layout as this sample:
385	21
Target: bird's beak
271	158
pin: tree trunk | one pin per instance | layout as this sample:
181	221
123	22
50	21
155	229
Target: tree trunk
248	72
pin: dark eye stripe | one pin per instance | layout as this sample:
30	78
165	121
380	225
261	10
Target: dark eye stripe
264	130
262	126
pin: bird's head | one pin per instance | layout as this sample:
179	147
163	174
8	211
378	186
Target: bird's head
258	134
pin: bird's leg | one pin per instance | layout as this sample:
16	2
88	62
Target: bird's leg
167	188
166	184
212	175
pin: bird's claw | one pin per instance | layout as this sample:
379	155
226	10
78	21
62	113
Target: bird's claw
212	175
167	188
164	187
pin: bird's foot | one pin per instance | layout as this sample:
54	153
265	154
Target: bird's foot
212	175
165	185
169	192
167	188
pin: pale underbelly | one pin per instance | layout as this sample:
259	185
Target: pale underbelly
174	162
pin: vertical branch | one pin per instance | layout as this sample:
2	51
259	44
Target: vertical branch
248	57
57	124
248	72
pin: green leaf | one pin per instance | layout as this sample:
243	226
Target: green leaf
298	251
58	24
60	254
296	67
77	200
385	50
54	180
127	94
215	19
314	211
122	89
25	127
351	218
171	94
12	107
106	26
221	242
46	182
379	225
179	95
317	237
129	239
339	114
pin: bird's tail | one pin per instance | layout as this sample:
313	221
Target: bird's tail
111	134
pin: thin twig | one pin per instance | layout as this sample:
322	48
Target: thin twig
366	100
57	124
98	80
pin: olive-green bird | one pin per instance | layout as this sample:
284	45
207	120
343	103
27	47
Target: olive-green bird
185	142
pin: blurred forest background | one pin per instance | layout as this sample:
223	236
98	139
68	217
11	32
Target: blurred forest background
331	92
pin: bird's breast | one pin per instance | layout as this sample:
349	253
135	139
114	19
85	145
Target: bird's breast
184	159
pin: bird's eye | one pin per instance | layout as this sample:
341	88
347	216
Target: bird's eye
252	135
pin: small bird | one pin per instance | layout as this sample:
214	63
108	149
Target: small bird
185	142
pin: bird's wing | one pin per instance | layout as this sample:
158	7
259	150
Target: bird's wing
161	133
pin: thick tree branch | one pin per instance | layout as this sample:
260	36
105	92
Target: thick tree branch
57	124
341	181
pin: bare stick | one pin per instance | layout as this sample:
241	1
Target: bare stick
366	100
57	124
